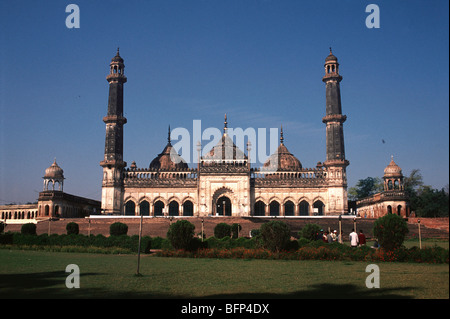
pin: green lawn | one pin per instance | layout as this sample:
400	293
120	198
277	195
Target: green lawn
37	274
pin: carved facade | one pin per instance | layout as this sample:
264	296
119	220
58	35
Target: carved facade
223	183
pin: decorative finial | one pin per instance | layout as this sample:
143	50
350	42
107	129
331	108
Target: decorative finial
117	51
225	124
168	135
331	51
281	135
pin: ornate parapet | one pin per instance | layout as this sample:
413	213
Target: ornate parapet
141	177
301	178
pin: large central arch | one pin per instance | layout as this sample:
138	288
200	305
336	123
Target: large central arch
223	206
223	202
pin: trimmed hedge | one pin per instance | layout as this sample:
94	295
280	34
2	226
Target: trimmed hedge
316	251
128	243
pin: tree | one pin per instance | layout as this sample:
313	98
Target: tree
222	230
72	228
117	229
309	231
390	230
413	182
429	202
276	235
28	229
181	234
365	188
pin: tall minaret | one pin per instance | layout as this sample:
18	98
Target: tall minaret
113	164
335	161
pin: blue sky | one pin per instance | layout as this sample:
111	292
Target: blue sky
259	61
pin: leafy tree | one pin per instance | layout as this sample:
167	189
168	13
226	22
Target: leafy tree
309	231
429	202
366	187
181	234
390	230
72	228
222	230
412	182
275	235
28	229
117	229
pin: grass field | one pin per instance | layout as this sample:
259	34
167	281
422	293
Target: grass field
38	274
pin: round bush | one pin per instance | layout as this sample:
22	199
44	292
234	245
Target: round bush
222	230
309	232
181	235
28	229
118	229
72	228
391	231
276	235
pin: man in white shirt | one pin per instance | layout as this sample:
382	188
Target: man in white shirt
354	239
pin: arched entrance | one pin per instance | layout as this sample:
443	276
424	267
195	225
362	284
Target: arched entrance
144	208
158	208
223	206
260	208
173	208
188	208
130	207
318	208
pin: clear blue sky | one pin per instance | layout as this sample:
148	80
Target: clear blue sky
260	61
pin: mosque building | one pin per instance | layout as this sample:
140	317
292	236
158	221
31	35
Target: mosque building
224	183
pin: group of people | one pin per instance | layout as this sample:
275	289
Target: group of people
332	236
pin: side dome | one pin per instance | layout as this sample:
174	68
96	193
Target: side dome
392	169
168	160
54	172
282	160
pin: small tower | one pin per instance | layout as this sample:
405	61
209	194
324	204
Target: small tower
54	175
113	164
393	177
335	162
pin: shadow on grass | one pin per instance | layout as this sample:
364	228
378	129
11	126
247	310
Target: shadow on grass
46	285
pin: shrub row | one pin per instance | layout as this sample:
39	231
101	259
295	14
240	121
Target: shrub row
314	251
124	242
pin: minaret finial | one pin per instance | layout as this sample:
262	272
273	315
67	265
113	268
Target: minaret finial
168	135
281	135
225	128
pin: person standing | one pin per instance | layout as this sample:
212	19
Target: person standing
361	238
353	238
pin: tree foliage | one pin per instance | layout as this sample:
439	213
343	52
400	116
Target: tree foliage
222	230
181	234
366	187
276	235
391	231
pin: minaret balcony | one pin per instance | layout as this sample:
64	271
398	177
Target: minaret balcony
116	119
339	118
